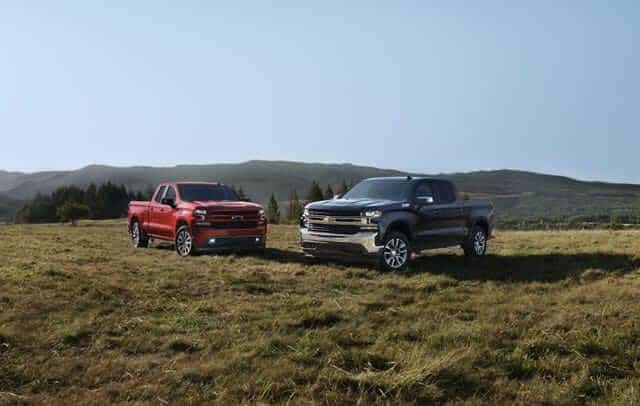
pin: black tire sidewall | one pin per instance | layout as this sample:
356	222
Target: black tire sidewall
382	264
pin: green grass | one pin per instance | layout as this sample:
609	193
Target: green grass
547	317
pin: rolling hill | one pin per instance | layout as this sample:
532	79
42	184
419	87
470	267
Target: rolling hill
516	194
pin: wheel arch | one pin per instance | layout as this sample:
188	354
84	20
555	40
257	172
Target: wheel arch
483	223
134	219
399	225
180	223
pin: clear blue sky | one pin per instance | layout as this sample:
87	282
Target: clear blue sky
550	86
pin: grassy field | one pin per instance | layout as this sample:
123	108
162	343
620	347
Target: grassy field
547	317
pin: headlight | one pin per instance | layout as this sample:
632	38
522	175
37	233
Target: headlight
261	215
305	213
373	214
200	214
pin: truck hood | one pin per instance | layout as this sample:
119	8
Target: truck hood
352	206
212	206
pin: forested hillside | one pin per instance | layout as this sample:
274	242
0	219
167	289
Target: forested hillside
518	196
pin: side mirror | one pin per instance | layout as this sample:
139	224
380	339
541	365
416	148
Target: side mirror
425	199
169	202
338	196
245	199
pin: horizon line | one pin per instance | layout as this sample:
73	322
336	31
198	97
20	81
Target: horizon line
327	163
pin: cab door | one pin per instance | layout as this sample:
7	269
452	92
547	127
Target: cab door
155	211
430	225
451	211
165	214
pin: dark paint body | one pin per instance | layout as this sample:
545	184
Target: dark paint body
428	226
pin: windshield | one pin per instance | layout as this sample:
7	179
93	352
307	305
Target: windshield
206	193
386	189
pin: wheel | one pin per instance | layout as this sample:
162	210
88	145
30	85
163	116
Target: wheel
139	238
475	245
184	242
395	253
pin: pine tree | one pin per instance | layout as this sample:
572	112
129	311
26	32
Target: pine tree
328	193
91	200
241	193
315	193
273	212
72	211
140	196
294	209
344	188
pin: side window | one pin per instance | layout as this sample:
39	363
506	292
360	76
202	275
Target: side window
444	192
171	193
423	193
158	197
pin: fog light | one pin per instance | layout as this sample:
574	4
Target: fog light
212	241
257	239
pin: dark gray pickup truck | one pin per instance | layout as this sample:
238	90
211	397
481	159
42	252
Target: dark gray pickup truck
387	219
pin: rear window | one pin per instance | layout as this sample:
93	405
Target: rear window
444	191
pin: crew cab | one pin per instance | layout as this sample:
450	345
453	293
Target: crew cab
387	219
198	217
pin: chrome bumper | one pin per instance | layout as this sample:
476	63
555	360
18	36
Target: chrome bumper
365	239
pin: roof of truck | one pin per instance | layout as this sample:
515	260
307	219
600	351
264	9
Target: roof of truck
195	182
408	178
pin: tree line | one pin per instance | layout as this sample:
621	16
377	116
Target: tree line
111	201
295	206
70	203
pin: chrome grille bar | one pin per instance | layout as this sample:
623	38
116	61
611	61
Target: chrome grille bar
337	220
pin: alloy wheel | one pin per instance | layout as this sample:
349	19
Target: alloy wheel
184	243
135	234
480	243
395	253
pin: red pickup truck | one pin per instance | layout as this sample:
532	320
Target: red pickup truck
198	217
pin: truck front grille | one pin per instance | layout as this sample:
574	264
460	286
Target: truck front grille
234	224
346	213
334	228
325	222
232	213
233	219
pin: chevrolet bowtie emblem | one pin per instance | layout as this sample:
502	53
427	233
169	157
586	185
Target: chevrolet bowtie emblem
328	219
236	218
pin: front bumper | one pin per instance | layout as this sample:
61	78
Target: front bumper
328	244
226	244
215	239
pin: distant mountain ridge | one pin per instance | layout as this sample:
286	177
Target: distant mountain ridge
516	194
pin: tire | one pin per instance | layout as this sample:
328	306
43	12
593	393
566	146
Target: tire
475	245
395	253
139	238
184	242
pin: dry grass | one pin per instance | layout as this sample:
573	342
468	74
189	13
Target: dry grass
548	317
